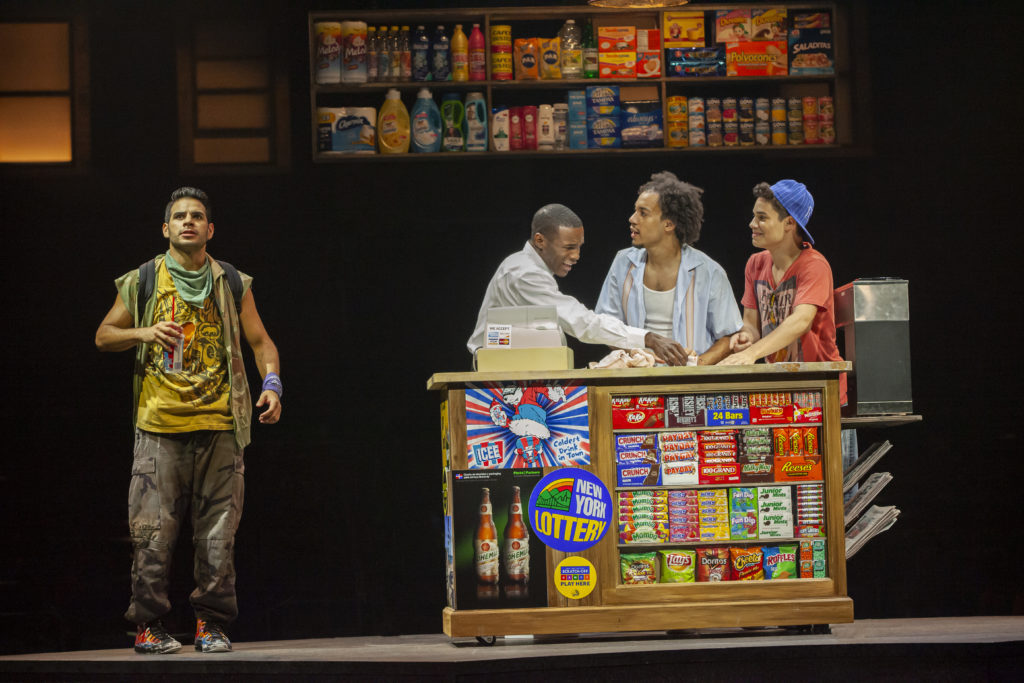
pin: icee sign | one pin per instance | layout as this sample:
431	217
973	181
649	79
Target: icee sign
570	509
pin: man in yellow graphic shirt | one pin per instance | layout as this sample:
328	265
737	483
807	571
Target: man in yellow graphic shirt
192	418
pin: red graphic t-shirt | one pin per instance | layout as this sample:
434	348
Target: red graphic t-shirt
807	281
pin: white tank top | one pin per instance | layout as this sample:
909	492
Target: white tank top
659	311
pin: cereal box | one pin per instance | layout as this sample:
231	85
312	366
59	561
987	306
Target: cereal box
648	64
756	58
810	51
732	25
616	39
768	24
684	29
617	64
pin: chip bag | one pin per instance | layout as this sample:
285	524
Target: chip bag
747	563
678	566
637	568
780	562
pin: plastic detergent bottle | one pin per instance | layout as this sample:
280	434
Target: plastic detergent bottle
426	124
460	55
420	55
476	122
393	125
453	117
440	56
477	55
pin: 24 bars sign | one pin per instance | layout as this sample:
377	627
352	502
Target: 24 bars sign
527	425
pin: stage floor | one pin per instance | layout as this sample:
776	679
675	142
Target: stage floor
975	648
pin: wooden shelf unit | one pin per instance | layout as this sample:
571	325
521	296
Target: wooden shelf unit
839	85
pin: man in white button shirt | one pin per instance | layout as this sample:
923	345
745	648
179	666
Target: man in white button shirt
527	278
664	284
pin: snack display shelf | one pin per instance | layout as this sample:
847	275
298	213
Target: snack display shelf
544	21
615	606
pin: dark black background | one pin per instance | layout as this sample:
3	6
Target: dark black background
369	275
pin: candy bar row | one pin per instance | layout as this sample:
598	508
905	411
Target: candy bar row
718	456
716	410
740	513
805	560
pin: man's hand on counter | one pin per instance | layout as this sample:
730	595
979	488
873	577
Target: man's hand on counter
667	350
741	358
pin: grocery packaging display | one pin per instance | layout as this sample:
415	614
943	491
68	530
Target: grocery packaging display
755	44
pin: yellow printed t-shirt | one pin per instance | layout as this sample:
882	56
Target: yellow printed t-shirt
197	397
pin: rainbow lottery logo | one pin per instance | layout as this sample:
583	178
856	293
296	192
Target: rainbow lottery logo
570	509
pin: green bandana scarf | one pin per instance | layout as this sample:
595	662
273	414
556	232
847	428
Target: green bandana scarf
193	285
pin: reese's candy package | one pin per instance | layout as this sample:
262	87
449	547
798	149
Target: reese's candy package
637	568
780	562
713	564
747	563
678	566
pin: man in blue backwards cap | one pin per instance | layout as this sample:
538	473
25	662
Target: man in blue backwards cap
788	313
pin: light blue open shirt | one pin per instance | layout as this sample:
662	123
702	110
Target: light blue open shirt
715	313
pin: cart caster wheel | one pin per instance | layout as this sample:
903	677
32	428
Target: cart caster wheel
821	629
799	628
486	640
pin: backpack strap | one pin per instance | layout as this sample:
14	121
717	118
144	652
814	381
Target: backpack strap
147	281
234	282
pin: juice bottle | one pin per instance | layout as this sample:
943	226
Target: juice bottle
460	55
393	124
426	124
477	55
453	117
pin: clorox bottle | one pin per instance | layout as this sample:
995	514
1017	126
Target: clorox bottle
393	125
426	123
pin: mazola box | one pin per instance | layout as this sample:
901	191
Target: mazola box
684	29
757	58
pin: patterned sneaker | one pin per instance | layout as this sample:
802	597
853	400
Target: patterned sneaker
210	637
153	639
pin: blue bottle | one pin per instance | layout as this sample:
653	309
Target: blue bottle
420	55
426	123
441	56
476	122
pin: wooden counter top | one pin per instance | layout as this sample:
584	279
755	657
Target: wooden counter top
760	371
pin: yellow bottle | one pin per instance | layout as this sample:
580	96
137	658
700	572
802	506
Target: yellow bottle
393	125
460	55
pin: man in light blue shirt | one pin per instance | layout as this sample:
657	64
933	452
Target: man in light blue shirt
664	284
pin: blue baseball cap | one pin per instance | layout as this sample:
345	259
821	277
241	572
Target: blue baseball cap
795	199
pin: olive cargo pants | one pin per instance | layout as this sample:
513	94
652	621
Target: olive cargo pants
173	474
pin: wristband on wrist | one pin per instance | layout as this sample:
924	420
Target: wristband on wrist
272	382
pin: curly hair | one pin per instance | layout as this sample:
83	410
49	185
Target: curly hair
679	202
191	193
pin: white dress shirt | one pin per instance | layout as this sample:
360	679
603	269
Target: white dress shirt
523	279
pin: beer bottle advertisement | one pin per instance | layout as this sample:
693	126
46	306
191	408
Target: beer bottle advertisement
498	562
